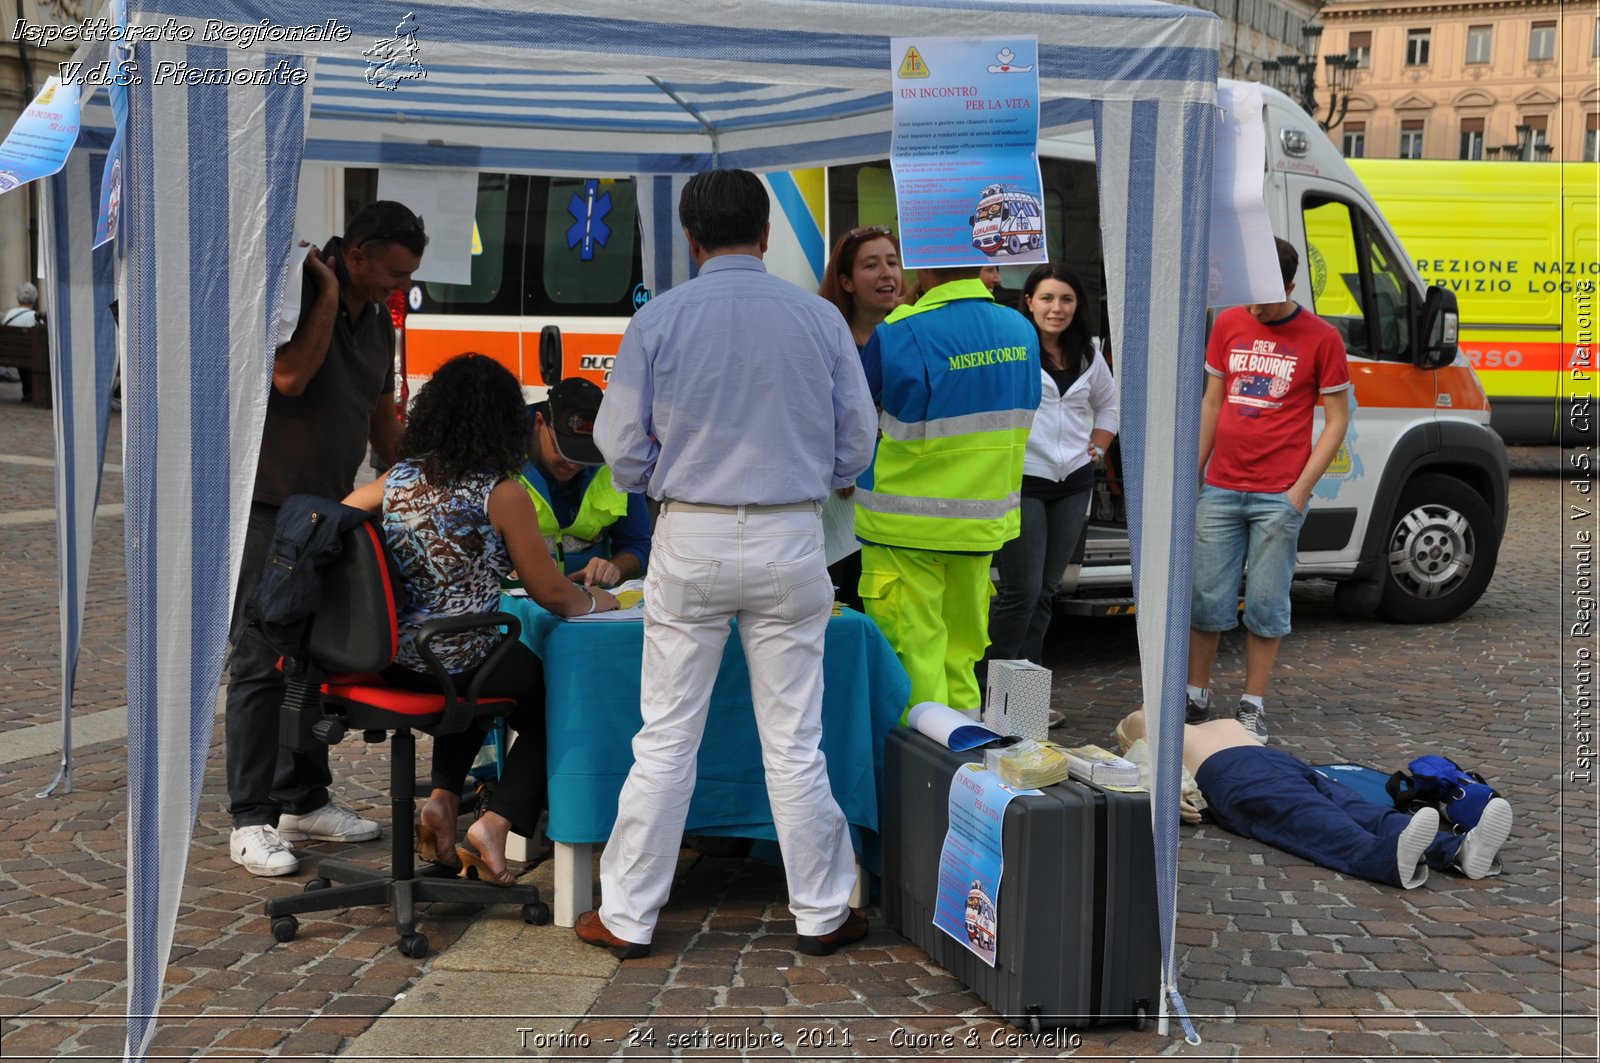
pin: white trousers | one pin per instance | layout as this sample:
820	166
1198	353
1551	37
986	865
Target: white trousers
767	569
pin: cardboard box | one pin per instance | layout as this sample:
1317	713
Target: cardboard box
1018	699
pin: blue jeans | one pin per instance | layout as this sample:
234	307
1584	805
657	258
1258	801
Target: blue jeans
1231	527
1030	568
1266	794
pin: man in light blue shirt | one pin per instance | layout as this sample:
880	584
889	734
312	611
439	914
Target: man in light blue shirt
738	401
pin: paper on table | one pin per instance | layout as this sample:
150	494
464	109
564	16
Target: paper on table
630	596
948	727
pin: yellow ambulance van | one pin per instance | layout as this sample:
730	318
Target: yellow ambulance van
1517	244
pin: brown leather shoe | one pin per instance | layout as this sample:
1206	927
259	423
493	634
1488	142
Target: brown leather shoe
592	931
853	929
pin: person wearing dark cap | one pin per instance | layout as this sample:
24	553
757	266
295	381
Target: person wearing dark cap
332	393
598	535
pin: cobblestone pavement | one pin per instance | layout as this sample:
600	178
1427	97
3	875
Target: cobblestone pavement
1279	959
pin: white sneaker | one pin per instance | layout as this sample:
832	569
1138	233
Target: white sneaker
262	851
1479	855
330	823
1412	846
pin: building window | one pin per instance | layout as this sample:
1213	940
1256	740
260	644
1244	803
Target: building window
1355	140
1472	138
1411	138
1418	43
1538	148
1480	39
1542	41
1591	137
1361	48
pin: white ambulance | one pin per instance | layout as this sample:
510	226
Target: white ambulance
1408	519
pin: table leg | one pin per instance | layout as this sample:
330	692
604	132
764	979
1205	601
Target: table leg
574	882
859	895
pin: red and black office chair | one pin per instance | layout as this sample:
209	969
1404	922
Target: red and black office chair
334	687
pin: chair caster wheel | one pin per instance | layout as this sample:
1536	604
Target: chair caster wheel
318	883
537	913
284	928
414	946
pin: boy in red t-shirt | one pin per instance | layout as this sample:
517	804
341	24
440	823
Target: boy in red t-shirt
1266	366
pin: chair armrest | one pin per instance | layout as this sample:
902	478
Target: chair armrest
460	711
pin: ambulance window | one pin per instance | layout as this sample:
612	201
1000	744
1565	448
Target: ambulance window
496	224
1393	317
1356	283
591	247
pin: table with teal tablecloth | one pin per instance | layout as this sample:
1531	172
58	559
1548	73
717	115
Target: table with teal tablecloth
592	713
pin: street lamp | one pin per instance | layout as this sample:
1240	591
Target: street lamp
1296	76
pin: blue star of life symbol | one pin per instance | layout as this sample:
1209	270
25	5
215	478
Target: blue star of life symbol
589	211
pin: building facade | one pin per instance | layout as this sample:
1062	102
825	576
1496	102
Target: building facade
1256	31
1444	79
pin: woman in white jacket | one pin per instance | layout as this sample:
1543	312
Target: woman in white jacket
1077	419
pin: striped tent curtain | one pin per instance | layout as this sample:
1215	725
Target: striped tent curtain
83	343
591	87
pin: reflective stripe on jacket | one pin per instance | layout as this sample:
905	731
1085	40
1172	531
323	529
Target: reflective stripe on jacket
960	384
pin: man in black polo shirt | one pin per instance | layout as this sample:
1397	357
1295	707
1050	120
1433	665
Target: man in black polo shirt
332	393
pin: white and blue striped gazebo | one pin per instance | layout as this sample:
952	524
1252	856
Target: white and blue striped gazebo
617	87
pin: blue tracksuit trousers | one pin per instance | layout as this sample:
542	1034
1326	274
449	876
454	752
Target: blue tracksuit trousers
1270	796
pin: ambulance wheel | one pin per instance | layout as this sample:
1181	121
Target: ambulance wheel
1013	245
1439	553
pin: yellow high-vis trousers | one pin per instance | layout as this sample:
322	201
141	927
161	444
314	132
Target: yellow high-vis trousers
933	608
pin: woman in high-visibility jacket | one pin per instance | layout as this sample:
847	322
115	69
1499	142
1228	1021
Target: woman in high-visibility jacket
864	280
957	380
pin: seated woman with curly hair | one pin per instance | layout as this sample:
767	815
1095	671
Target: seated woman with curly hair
457	521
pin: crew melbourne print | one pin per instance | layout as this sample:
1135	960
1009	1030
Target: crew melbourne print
1260	377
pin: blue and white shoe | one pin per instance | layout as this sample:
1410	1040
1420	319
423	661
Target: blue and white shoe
1253	720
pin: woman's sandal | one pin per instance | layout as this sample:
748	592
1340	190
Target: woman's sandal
475	866
428	848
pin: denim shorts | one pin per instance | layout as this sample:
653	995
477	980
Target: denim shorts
1231	527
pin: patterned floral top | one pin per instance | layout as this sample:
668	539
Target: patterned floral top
450	558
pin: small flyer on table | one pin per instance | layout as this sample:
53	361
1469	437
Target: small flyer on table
965	151
968	904
630	605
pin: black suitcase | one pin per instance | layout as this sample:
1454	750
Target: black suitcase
1079	937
